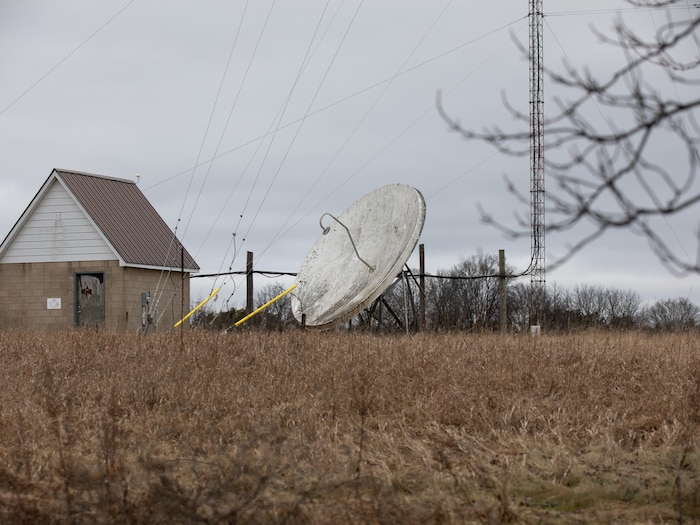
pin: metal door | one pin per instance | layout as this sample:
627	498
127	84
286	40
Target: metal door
89	299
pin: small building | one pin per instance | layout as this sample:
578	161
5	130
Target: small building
91	250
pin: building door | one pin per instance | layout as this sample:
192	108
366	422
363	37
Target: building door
89	299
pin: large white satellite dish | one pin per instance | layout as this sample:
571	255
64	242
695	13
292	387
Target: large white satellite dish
358	255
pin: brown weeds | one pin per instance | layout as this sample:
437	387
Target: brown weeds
303	427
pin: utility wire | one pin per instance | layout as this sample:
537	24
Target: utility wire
344	99
232	243
423	114
278	118
303	119
427	111
357	126
211	116
199	155
60	62
624	10
387	81
274	125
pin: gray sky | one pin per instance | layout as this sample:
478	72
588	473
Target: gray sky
293	109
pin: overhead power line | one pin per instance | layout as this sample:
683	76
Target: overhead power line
60	62
341	100
624	10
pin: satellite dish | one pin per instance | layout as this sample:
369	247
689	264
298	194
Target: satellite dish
358	255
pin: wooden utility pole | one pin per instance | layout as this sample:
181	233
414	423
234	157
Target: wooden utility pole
502	290
249	307
421	282
182	287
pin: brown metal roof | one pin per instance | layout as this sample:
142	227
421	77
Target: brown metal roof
128	220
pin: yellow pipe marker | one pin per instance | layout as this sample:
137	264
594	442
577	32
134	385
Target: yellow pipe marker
264	306
196	308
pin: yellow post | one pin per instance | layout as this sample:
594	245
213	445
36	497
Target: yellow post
241	321
196	308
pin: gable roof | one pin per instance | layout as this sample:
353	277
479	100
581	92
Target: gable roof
127	221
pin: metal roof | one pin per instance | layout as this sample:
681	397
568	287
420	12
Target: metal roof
128	221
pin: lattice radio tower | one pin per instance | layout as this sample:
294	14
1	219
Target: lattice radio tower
537	275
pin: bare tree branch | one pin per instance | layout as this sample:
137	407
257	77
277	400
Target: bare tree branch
603	160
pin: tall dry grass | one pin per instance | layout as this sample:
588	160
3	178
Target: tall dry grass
303	427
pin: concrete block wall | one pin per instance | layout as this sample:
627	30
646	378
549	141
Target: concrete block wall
26	287
167	291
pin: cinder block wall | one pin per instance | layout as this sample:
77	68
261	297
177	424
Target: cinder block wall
25	288
167	291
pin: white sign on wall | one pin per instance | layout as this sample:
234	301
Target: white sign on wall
53	303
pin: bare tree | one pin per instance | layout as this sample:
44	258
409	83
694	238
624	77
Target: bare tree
584	306
671	314
278	315
589	303
466	296
603	162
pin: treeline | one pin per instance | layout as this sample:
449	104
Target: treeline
466	298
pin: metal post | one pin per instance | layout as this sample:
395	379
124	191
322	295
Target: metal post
537	189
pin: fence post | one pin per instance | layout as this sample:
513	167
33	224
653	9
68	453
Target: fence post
421	283
502	289
249	283
182	285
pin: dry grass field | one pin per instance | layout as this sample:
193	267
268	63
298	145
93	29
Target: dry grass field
304	427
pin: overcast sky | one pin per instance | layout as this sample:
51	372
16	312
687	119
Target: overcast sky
290	109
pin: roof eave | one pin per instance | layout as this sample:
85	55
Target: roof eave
159	268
